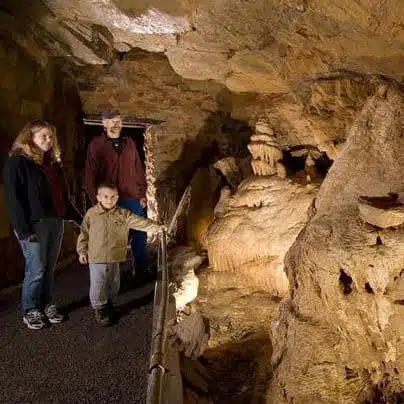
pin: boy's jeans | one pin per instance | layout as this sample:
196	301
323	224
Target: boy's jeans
40	261
104	283
138	238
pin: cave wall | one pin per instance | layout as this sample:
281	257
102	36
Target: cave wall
339	337
27	91
193	123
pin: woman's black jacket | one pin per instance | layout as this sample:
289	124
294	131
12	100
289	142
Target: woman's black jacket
28	196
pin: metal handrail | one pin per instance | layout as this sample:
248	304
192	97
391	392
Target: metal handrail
157	362
161	300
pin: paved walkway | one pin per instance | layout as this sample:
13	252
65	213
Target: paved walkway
77	361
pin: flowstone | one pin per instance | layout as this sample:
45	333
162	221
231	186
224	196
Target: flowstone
266	152
261	221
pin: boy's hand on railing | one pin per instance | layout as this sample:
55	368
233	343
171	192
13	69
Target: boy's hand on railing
83	259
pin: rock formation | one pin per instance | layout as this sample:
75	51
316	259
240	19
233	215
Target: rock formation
234	169
251	238
150	172
184	262
205	72
266	152
223	202
382	211
339	337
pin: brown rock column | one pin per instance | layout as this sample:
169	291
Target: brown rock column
339	338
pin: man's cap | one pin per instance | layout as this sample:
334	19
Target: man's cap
110	113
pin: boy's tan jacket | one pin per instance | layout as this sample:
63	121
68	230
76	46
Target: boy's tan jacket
104	233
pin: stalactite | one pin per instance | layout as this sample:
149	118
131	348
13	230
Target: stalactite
266	152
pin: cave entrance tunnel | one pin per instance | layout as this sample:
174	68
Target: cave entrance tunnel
132	127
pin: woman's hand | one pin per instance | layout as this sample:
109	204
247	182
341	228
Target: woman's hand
143	202
83	259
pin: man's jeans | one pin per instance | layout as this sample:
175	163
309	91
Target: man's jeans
138	238
40	261
104	283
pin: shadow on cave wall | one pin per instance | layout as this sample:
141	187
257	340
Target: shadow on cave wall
239	371
220	137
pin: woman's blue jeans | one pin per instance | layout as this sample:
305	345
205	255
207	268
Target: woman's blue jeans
40	261
138	238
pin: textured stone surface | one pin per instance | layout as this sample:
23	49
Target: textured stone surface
184	261
235	170
29	91
306	65
339	337
262	221
381	212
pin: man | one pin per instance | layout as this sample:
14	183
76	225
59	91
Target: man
114	159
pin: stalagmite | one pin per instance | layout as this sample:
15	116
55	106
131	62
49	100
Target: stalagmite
251	237
266	152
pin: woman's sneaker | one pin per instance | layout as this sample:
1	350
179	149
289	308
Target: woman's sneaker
102	316
53	315
34	320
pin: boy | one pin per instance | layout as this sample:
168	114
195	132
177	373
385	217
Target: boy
102	244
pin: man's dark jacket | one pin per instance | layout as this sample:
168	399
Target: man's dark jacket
124	169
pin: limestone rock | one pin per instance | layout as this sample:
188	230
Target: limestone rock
190	336
382	212
183	263
265	151
262	221
205	186
234	169
223	202
310	67
339	339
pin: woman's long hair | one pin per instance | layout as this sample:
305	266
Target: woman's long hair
24	145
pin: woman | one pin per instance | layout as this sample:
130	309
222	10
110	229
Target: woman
36	201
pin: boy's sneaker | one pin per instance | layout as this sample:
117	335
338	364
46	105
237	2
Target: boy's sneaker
34	320
102	316
53	315
112	311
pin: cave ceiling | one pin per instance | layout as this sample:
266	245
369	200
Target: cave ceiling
312	63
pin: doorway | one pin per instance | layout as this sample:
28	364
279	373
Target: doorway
93	128
135	133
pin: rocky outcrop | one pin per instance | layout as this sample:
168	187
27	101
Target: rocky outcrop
339	337
381	212
266	152
184	261
307	66
234	169
262	221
